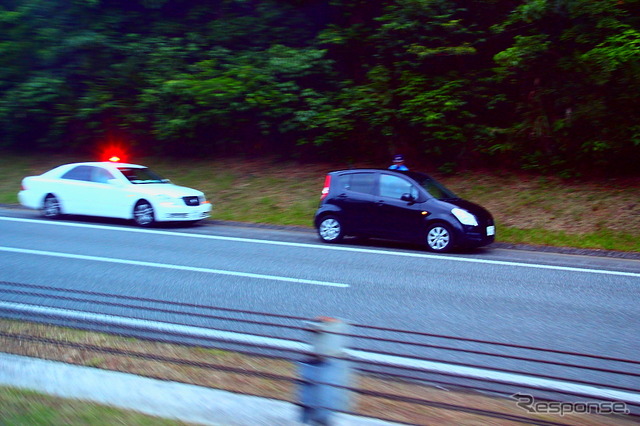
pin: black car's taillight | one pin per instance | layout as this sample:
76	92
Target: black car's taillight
325	189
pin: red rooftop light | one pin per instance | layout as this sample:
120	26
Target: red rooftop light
114	153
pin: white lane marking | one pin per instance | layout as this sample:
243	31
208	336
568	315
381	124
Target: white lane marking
278	343
337	248
176	267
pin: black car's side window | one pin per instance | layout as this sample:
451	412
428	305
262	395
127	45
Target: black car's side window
395	187
364	183
78	173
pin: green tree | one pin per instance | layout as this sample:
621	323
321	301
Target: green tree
540	84
415	80
574	68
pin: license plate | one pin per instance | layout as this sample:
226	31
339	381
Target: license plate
491	230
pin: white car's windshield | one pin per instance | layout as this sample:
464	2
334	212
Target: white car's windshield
139	175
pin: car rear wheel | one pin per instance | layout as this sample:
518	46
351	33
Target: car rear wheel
51	207
330	229
143	214
439	238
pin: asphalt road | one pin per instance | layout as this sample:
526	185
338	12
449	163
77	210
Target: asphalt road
585	304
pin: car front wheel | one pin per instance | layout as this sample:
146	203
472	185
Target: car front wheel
439	238
51	207
143	213
330	229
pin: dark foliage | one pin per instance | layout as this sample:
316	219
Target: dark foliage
546	85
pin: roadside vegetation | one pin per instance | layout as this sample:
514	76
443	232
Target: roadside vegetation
528	208
547	86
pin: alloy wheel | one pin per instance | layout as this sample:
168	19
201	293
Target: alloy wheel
330	229
143	214
438	238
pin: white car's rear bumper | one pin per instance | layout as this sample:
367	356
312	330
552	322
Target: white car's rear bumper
30	199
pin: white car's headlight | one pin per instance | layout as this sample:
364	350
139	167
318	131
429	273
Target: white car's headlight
464	217
167	200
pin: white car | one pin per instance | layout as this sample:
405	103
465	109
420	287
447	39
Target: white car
109	189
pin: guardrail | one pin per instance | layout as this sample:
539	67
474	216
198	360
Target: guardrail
331	354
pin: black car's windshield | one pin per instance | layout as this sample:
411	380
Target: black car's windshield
139	175
435	188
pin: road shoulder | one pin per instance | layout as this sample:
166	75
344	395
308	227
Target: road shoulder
171	400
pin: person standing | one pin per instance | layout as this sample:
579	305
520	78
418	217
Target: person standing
398	163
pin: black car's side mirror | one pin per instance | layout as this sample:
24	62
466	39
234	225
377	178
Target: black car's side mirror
408	197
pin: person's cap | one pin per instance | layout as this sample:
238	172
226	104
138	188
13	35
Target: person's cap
398	158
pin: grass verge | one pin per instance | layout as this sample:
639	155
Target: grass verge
39	409
528	209
21	407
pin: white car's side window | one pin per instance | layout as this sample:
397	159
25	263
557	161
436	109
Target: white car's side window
100	175
79	173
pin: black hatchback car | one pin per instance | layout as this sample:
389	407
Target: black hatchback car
406	206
